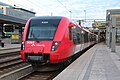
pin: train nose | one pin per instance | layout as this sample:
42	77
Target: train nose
34	50
38	49
36	54
34	47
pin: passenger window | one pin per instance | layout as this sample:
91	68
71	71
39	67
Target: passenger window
82	36
76	35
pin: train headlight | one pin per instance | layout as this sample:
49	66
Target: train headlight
22	45
55	45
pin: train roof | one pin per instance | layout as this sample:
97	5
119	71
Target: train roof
47	17
87	30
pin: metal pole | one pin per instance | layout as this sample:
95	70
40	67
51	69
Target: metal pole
2	40
2	30
51	14
20	34
113	42
85	15
107	36
99	35
70	14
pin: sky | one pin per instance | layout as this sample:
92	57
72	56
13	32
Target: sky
73	9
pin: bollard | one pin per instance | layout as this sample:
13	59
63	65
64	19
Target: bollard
2	43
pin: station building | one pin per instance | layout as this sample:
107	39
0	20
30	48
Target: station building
14	23
15	11
113	29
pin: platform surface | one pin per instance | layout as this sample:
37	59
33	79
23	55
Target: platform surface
98	63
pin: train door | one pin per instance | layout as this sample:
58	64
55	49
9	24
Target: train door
77	38
71	39
82	41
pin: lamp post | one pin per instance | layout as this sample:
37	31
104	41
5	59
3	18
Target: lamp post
70	14
51	14
85	15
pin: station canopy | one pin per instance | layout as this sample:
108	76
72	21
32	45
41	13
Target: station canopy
115	13
117	19
5	19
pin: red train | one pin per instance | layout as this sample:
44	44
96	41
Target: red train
53	39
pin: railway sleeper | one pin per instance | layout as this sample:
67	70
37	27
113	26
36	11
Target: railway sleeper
10	58
9	54
10	63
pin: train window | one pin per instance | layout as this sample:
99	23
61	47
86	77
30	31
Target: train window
77	35
42	29
82	36
90	37
70	33
86	37
74	35
9	29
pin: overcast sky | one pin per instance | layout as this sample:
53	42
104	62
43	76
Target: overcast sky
93	9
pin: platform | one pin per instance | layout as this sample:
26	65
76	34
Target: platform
98	63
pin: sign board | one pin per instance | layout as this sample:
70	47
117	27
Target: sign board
15	36
101	25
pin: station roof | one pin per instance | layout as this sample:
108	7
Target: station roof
114	11
3	4
24	10
5	19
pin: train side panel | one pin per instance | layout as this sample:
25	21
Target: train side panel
62	34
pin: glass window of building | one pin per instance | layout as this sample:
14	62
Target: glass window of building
118	35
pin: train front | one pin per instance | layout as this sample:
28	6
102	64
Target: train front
39	45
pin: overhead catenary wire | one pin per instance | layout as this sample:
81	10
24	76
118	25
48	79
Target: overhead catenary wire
70	11
22	6
63	5
16	3
66	8
36	5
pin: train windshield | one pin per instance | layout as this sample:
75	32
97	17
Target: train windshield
42	29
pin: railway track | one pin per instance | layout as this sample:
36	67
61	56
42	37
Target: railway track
41	75
48	75
13	68
11	65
